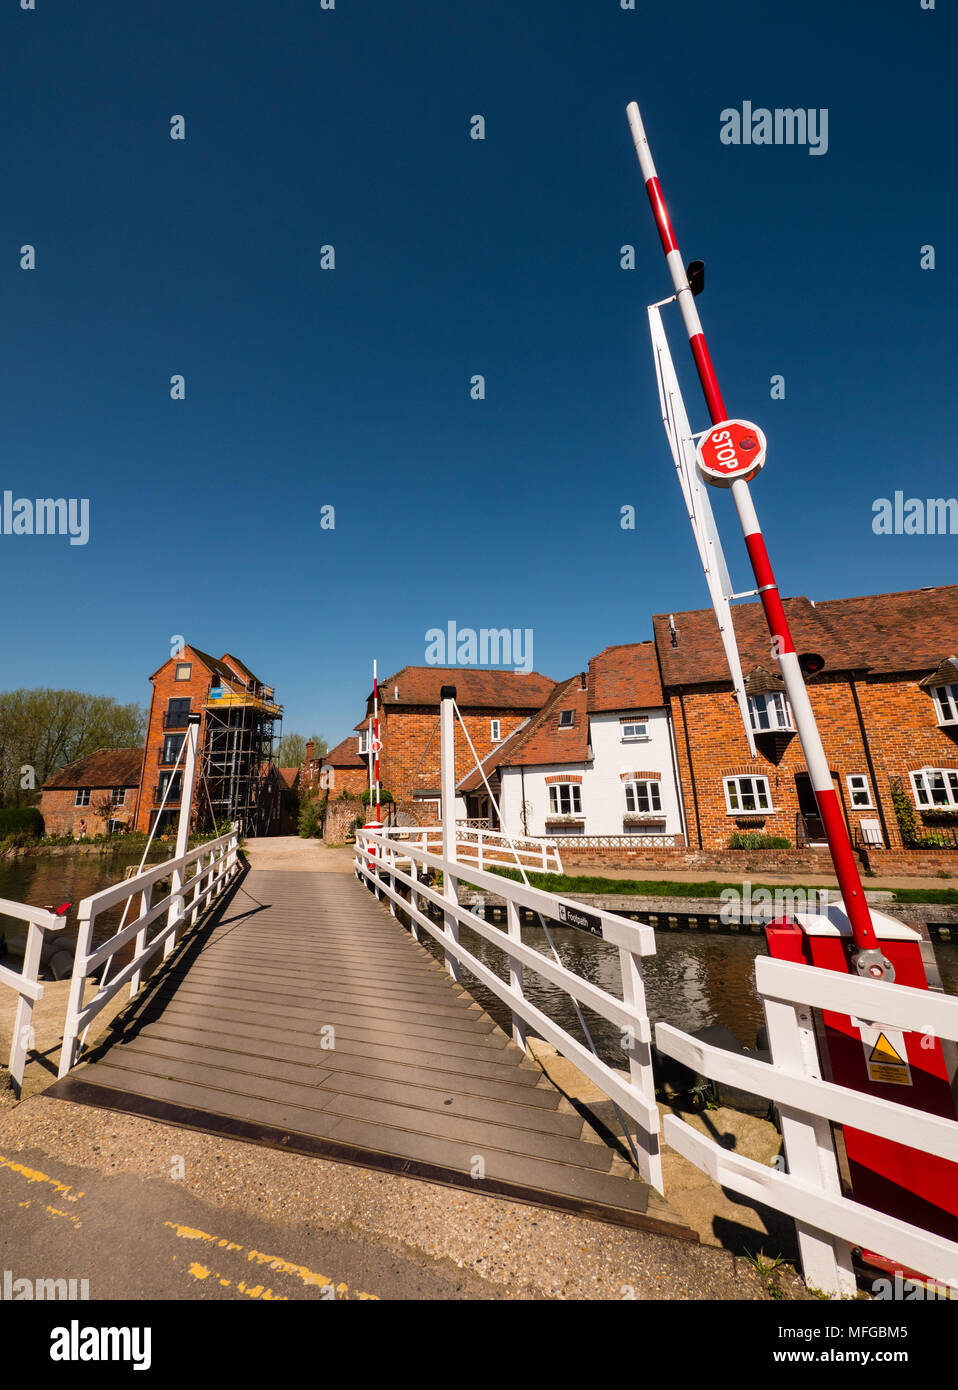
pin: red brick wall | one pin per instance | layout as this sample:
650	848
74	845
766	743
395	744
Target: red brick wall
405	734
62	816
165	688
899	723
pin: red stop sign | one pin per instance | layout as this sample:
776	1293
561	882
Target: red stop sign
731	450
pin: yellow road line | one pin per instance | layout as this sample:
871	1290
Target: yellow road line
275	1263
34	1175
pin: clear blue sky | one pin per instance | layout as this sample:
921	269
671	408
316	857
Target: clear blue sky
453	257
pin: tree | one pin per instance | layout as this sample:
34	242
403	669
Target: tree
43	730
292	749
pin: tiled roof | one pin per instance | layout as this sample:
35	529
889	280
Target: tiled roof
241	667
946	674
698	656
625	677
107	767
898	632
544	742
218	668
907	631
288	775
343	755
494	759
475	688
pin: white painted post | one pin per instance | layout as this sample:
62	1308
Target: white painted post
146	898
77	984
450	885
640	1065
414	896
23	1023
513	926
809	1151
183	829
479	847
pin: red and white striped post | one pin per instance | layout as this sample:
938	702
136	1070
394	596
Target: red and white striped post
870	960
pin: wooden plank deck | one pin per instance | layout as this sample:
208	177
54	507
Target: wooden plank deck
231	1037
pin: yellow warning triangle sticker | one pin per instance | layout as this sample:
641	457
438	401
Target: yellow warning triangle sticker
884	1052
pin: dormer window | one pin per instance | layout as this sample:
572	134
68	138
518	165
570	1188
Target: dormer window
566	718
363	743
946	703
770	713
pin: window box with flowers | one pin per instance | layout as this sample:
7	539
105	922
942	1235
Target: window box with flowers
642	818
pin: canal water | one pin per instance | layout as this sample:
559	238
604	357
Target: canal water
694	980
47	880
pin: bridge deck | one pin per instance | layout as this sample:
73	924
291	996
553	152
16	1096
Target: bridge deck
232	1035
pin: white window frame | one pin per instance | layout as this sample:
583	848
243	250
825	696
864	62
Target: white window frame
363	743
118	796
186	666
923	791
83	796
495	730
741	809
566	724
650	785
863	787
772	700
641	726
573	796
946	704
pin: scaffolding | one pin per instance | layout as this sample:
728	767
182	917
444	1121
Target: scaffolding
239	745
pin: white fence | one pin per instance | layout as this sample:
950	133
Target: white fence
26	982
386	862
481	847
828	1223
198	876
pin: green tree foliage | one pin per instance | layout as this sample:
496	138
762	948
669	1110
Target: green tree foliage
292	749
310	819
43	730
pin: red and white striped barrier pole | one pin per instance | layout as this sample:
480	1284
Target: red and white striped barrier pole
376	743
870	960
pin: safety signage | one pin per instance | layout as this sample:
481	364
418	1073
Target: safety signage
885	1055
731	450
575	917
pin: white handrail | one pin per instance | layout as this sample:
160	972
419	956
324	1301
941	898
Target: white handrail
26	983
387	864
828	1223
183	903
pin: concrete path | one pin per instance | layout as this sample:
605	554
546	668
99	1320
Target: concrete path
293	854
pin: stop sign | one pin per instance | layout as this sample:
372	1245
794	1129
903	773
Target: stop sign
731	450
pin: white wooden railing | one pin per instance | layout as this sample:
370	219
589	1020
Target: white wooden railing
198	876
388	863
827	1223
481	847
26	983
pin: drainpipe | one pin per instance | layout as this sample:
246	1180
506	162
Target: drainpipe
675	773
688	754
868	760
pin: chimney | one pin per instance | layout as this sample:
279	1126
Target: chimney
309	753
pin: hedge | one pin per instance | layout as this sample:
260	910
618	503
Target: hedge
15	820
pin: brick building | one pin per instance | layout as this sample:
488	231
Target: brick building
597	760
235	744
493	704
96	795
343	769
886	702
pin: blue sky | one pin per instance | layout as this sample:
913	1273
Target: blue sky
350	387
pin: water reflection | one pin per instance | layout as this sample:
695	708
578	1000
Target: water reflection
694	980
